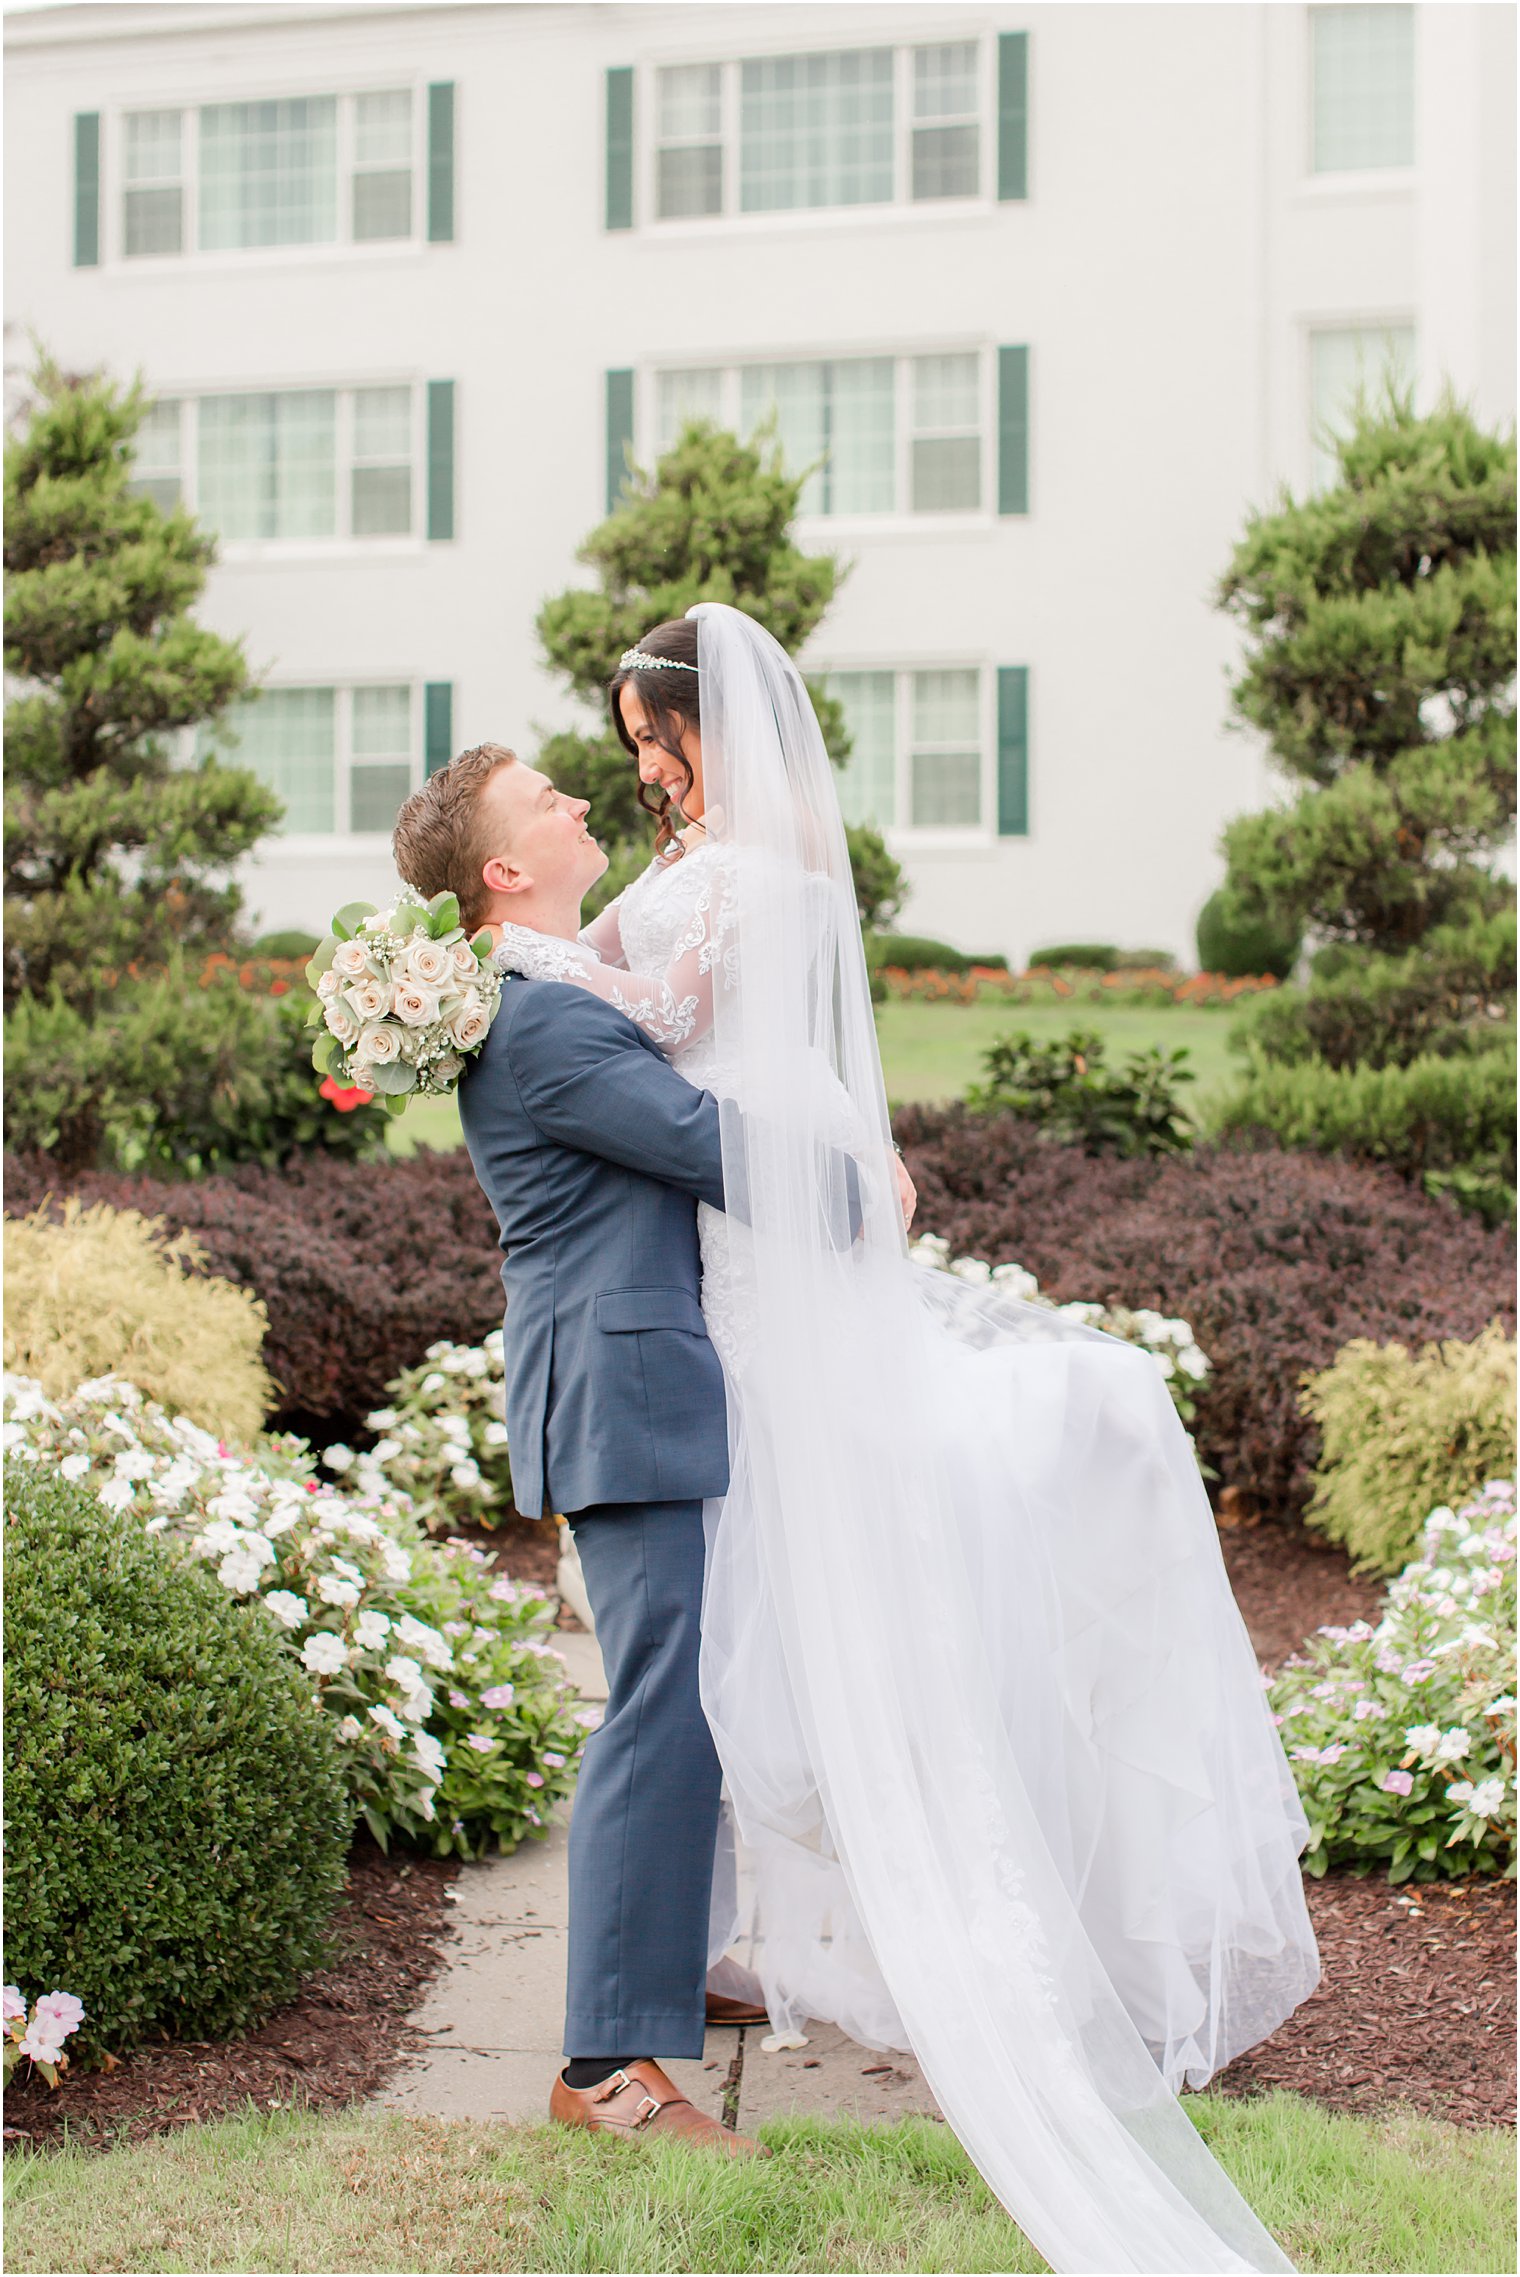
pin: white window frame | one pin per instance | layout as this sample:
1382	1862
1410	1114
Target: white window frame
1391	183
232	551
900	520
344	247
905	837
306	842
955	31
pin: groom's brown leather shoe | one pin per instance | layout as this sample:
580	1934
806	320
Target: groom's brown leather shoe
640	2100
722	2010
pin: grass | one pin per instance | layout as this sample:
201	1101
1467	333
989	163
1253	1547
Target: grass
365	2190
932	1051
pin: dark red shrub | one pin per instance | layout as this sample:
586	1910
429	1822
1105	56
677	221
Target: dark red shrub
1277	1259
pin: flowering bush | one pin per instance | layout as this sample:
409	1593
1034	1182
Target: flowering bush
1402	1735
443	1441
352	1586
1171	1343
39	2034
403	998
1046	984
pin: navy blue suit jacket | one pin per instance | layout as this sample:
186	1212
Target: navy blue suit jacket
594	1153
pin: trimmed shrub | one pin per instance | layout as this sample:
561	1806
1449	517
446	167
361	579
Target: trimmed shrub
178	1826
103	1292
1233	941
1402	1736
1402	1432
1065	1088
913	952
1087	956
289	947
1278	1261
360	1266
1145	960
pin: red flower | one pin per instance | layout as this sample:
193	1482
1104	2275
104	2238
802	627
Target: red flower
344	1096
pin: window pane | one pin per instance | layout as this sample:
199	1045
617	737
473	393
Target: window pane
1363	64
383	423
945	161
815	130
690	103
796	394
269	173
382	723
268	465
1343	364
153	222
947	474
944	81
947	788
946	394
868	780
288	737
382	206
382	501
383	129
862	450
945	707
685	395
153	141
375	796
689	182
156	455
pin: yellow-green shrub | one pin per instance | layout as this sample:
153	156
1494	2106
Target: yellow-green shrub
1403	1433
105	1292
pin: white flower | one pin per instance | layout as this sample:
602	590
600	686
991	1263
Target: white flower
1453	1745
429	1754
368	998
404	1671
340	1024
447	1068
1165	1363
287	1608
116	1494
465	962
1015	1282
465	1475
470	1022
1423	1740
433	1646
378	1044
416	1006
433	1381
334	1590
429	963
135	1463
75	1467
1486	1799
339	1458
386	1450
389	1723
239	1572
397	1562
327	984
350	1729
382	1420
324	1654
350	959
1193	1363
974	1269
495	1435
371	1629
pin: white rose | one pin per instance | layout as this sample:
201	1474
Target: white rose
470	1023
464	960
447	1069
367	999
414	1004
340	1025
351	959
378	1043
327	983
428	962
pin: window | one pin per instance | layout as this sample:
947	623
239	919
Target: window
917	759
1363	97
288	463
880	434
232	177
342	759
156	454
946	130
788	133
1342	365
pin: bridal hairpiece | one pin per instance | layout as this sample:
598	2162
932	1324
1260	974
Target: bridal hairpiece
638	660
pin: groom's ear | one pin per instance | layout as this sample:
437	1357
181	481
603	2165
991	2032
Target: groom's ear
505	877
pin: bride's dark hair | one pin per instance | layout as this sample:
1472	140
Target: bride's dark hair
673	701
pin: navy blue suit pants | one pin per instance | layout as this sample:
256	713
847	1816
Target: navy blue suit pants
644	1821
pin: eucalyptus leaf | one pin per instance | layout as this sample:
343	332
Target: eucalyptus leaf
351	917
390	1076
443	914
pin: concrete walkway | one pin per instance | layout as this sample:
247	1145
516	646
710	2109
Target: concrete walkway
493	2017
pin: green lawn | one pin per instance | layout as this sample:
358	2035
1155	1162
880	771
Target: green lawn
932	1051
363	2191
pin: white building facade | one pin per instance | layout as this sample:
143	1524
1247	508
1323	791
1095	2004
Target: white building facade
1056	294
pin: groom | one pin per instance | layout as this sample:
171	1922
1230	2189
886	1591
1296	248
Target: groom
594	1154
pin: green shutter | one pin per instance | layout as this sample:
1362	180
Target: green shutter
619	432
1013	114
441	163
440	459
620	149
1013	750
438	725
1013	430
87	190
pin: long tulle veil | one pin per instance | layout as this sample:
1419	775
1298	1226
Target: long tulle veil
969	1651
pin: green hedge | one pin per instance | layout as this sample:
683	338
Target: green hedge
178	1823
1232	942
914	952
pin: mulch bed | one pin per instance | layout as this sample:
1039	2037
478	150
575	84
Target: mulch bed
336	2042
1288	1582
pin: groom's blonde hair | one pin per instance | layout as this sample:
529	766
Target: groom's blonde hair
441	842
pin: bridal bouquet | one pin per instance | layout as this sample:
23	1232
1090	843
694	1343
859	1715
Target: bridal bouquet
403	998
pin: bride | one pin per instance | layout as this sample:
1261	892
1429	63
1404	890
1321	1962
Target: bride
1001	1785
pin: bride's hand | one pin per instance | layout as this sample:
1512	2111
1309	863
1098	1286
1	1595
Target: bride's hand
907	1192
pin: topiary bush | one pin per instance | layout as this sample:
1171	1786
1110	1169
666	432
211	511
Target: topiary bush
100	1292
913	952
1402	1432
291	947
1278	1261
178	1826
1239	942
1087	956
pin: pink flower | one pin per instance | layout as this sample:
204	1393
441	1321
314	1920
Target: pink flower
41	2043
61	2009
535	1779
503	1590
1398	1782
459	1699
478	1739
15	2006
499	1696
1418	1670
555	1762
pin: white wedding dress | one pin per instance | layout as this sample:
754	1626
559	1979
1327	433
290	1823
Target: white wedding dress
1000	1787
